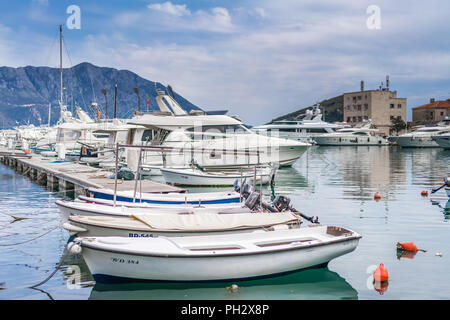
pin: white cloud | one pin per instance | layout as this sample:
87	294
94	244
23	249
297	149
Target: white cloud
169	8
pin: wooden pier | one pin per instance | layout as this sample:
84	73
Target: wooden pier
67	176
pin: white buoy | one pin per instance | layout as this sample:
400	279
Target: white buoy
74	248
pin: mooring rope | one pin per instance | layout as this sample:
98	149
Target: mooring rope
29	240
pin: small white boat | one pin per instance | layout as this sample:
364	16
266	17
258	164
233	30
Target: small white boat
167	198
196	177
68	208
155	225
213	258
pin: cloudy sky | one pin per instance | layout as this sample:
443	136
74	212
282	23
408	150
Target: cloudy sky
259	59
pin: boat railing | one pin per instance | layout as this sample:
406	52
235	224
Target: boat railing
168	149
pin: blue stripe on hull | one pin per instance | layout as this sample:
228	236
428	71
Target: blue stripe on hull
106	196
104	278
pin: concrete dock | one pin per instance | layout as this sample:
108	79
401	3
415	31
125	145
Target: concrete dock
74	177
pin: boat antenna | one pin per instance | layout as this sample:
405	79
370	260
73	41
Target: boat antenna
115	100
136	90
106	103
60	65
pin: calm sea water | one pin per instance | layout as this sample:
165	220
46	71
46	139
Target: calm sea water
335	183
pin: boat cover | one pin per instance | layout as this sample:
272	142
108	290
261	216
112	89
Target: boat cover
194	222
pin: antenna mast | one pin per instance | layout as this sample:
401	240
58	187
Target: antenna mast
60	65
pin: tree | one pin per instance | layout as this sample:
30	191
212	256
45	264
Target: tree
398	124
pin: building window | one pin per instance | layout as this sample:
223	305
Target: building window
348	119
366	118
392	117
354	98
392	106
359	97
399	106
359	107
359	119
366	106
348	107
354	107
365	96
442	113
354	119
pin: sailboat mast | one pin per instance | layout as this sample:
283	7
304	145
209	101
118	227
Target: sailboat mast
60	65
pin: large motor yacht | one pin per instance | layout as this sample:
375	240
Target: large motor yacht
211	141
302	128
363	135
423	136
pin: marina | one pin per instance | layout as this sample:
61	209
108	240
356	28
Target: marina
293	156
325	173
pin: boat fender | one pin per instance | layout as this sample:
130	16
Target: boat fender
407	246
377	196
381	274
74	248
72	228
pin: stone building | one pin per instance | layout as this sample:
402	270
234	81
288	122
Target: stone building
380	106
433	112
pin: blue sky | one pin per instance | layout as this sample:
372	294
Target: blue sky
259	59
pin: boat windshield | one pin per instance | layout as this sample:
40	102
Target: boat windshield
227	129
68	135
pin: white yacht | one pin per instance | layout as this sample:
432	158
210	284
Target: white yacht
442	139
303	129
353	136
423	136
211	141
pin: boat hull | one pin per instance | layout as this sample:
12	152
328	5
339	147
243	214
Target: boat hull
416	142
110	266
350	141
190	178
443	141
204	198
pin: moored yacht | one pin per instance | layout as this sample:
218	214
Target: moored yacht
211	141
302	128
354	136
423	136
442	139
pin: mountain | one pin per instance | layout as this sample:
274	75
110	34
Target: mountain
26	92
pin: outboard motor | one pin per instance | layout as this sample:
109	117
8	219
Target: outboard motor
281	203
247	190
252	201
237	185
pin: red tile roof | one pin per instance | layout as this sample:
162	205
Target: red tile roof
445	104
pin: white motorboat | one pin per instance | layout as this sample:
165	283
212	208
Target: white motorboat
354	136
167	198
442	139
302	128
68	208
423	136
197	177
155	225
255	254
212	141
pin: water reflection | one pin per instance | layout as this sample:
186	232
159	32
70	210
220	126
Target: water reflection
309	284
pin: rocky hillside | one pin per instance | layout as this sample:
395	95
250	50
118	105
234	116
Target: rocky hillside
26	92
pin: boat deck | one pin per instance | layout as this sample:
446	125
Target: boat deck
72	176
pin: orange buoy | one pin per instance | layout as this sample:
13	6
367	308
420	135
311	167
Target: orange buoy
381	287
377	196
381	273
407	246
424	193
